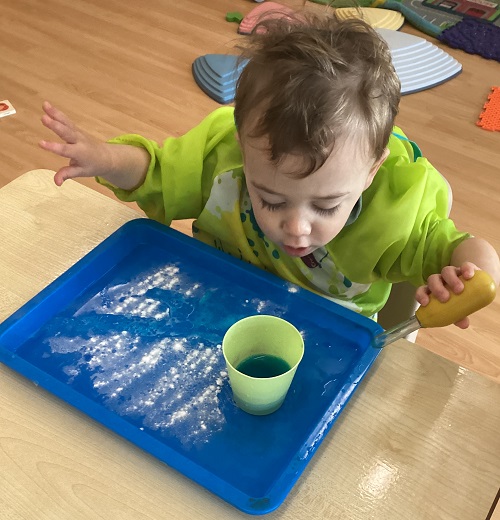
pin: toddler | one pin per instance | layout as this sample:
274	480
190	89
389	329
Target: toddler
306	177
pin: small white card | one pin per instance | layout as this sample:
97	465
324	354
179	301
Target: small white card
6	108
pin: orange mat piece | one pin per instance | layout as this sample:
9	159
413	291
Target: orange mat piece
489	119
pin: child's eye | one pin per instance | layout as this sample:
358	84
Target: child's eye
271	207
327	212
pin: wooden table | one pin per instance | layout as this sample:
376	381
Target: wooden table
419	440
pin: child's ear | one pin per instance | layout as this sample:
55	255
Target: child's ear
375	168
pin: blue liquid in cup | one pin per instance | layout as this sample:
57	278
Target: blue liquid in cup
263	365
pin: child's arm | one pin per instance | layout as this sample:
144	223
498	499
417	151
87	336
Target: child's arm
122	165
469	255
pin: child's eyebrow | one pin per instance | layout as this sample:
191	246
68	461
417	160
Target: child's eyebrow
322	197
332	196
265	188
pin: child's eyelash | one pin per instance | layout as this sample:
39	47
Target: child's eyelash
271	207
327	212
320	211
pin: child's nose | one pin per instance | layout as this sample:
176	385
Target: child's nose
296	225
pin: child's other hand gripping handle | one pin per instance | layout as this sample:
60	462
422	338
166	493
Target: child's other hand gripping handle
478	291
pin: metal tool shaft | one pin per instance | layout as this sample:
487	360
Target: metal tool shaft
399	331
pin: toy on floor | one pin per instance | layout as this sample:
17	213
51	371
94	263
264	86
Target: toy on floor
377	18
234	16
489	119
374	17
419	64
217	74
486	10
412	10
439	13
475	37
6	108
266	11
470	25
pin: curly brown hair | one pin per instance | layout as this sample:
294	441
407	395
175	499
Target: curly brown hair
313	79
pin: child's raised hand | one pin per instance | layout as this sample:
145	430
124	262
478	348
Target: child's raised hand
441	284
88	157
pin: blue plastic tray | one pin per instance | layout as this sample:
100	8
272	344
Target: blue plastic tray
131	335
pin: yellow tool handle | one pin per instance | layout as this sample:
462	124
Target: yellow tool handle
478	292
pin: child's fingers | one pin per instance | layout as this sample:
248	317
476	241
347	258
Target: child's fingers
67	172
468	269
61	149
63	131
450	276
57	115
463	324
422	295
435	283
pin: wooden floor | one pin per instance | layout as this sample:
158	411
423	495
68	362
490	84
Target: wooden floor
121	67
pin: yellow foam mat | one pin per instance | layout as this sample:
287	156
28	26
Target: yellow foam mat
378	18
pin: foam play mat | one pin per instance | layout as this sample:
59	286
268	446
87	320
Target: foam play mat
377	18
217	74
475	37
489	119
264	11
469	25
419	63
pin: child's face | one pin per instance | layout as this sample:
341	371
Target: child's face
301	215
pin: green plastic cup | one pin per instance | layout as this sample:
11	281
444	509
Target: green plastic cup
257	336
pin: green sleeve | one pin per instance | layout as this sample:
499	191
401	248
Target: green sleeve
403	232
182	170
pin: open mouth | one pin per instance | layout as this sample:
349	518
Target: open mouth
296	251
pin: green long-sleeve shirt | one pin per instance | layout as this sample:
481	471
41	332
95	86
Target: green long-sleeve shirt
401	232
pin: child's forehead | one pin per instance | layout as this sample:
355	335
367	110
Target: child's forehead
340	174
347	150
